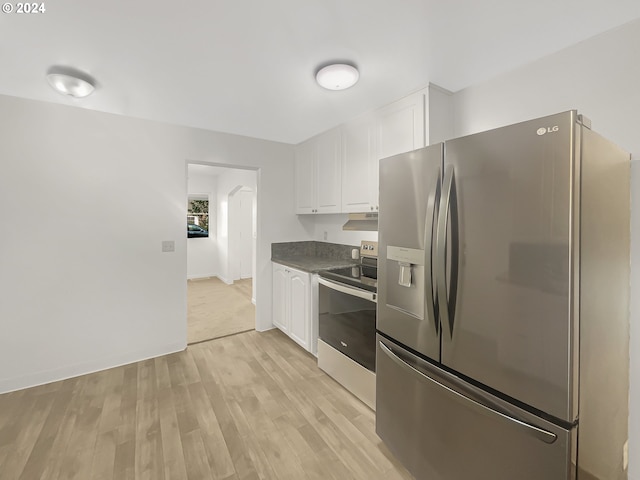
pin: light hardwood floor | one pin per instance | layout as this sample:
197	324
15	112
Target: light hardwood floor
248	406
215	309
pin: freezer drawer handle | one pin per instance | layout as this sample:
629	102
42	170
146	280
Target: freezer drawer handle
539	433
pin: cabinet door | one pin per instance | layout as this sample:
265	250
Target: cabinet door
400	126
329	172
357	170
305	176
279	306
300	326
374	168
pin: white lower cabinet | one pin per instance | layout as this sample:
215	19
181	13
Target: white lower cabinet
294	308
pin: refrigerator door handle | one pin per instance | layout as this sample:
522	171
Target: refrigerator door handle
429	227
539	433
448	208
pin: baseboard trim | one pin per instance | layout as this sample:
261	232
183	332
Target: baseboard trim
206	275
224	280
41	378
261	330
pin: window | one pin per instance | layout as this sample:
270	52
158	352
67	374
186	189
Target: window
198	216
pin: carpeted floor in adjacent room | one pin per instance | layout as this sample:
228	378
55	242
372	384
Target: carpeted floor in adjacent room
216	309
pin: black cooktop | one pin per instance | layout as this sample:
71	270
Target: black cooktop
359	276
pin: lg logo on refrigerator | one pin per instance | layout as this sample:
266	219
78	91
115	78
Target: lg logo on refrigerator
543	130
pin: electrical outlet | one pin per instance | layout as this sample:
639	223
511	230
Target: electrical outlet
625	455
168	246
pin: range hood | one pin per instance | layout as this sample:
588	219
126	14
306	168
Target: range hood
363	222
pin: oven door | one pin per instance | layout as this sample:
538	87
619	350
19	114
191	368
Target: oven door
347	321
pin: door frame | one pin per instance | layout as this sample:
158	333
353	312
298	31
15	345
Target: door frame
256	239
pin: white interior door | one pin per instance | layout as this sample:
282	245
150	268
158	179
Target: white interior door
245	224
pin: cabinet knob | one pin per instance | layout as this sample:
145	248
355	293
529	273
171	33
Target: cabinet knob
377	207
371	207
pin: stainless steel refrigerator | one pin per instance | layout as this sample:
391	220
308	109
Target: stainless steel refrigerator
503	305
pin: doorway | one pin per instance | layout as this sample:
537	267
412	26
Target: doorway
221	267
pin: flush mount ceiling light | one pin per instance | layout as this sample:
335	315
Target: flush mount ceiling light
337	76
70	82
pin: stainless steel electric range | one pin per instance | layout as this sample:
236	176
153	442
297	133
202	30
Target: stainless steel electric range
347	324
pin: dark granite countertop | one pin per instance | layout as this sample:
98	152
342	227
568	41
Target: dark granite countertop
312	264
312	256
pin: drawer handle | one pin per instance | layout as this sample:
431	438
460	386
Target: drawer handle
539	433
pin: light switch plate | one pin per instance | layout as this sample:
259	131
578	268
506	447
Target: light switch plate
168	246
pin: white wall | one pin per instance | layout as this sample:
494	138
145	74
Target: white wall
599	77
202	255
88	287
227	183
331	225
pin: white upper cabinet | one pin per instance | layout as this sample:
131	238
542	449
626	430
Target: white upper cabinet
318	174
305	177
358	187
337	171
400	126
440	115
329	172
393	129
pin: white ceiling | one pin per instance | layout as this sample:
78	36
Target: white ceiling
247	66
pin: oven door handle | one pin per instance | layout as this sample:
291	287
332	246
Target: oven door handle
346	289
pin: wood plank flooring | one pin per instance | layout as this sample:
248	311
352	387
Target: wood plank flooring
215	309
249	406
